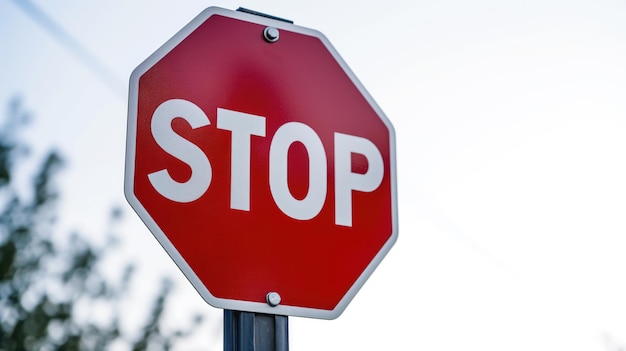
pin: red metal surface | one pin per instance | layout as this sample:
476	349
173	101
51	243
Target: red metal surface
243	255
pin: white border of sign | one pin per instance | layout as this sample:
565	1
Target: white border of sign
162	238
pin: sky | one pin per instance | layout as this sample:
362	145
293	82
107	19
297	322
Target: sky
510	119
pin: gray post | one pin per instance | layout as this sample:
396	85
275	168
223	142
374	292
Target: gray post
249	331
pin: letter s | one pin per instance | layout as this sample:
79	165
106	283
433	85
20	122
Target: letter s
182	149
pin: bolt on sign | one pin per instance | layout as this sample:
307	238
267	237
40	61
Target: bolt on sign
261	164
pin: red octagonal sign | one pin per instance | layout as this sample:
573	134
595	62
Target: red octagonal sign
261	164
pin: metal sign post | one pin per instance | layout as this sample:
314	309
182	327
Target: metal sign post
250	331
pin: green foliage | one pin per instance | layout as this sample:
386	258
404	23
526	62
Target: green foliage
44	284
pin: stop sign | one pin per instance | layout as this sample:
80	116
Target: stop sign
261	165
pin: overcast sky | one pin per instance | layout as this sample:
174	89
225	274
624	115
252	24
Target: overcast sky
510	120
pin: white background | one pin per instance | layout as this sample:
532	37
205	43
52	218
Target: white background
510	120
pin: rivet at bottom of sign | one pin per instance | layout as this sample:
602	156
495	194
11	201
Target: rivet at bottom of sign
271	34
272	299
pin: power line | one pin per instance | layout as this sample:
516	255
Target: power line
57	32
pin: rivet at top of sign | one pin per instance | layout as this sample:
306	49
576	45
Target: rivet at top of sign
272	299
271	34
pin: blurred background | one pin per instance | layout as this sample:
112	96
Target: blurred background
510	119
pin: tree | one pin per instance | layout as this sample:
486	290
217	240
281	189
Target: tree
44	283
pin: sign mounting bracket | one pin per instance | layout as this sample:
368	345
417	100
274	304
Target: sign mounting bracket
252	12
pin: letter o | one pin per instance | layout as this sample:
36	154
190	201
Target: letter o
313	202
